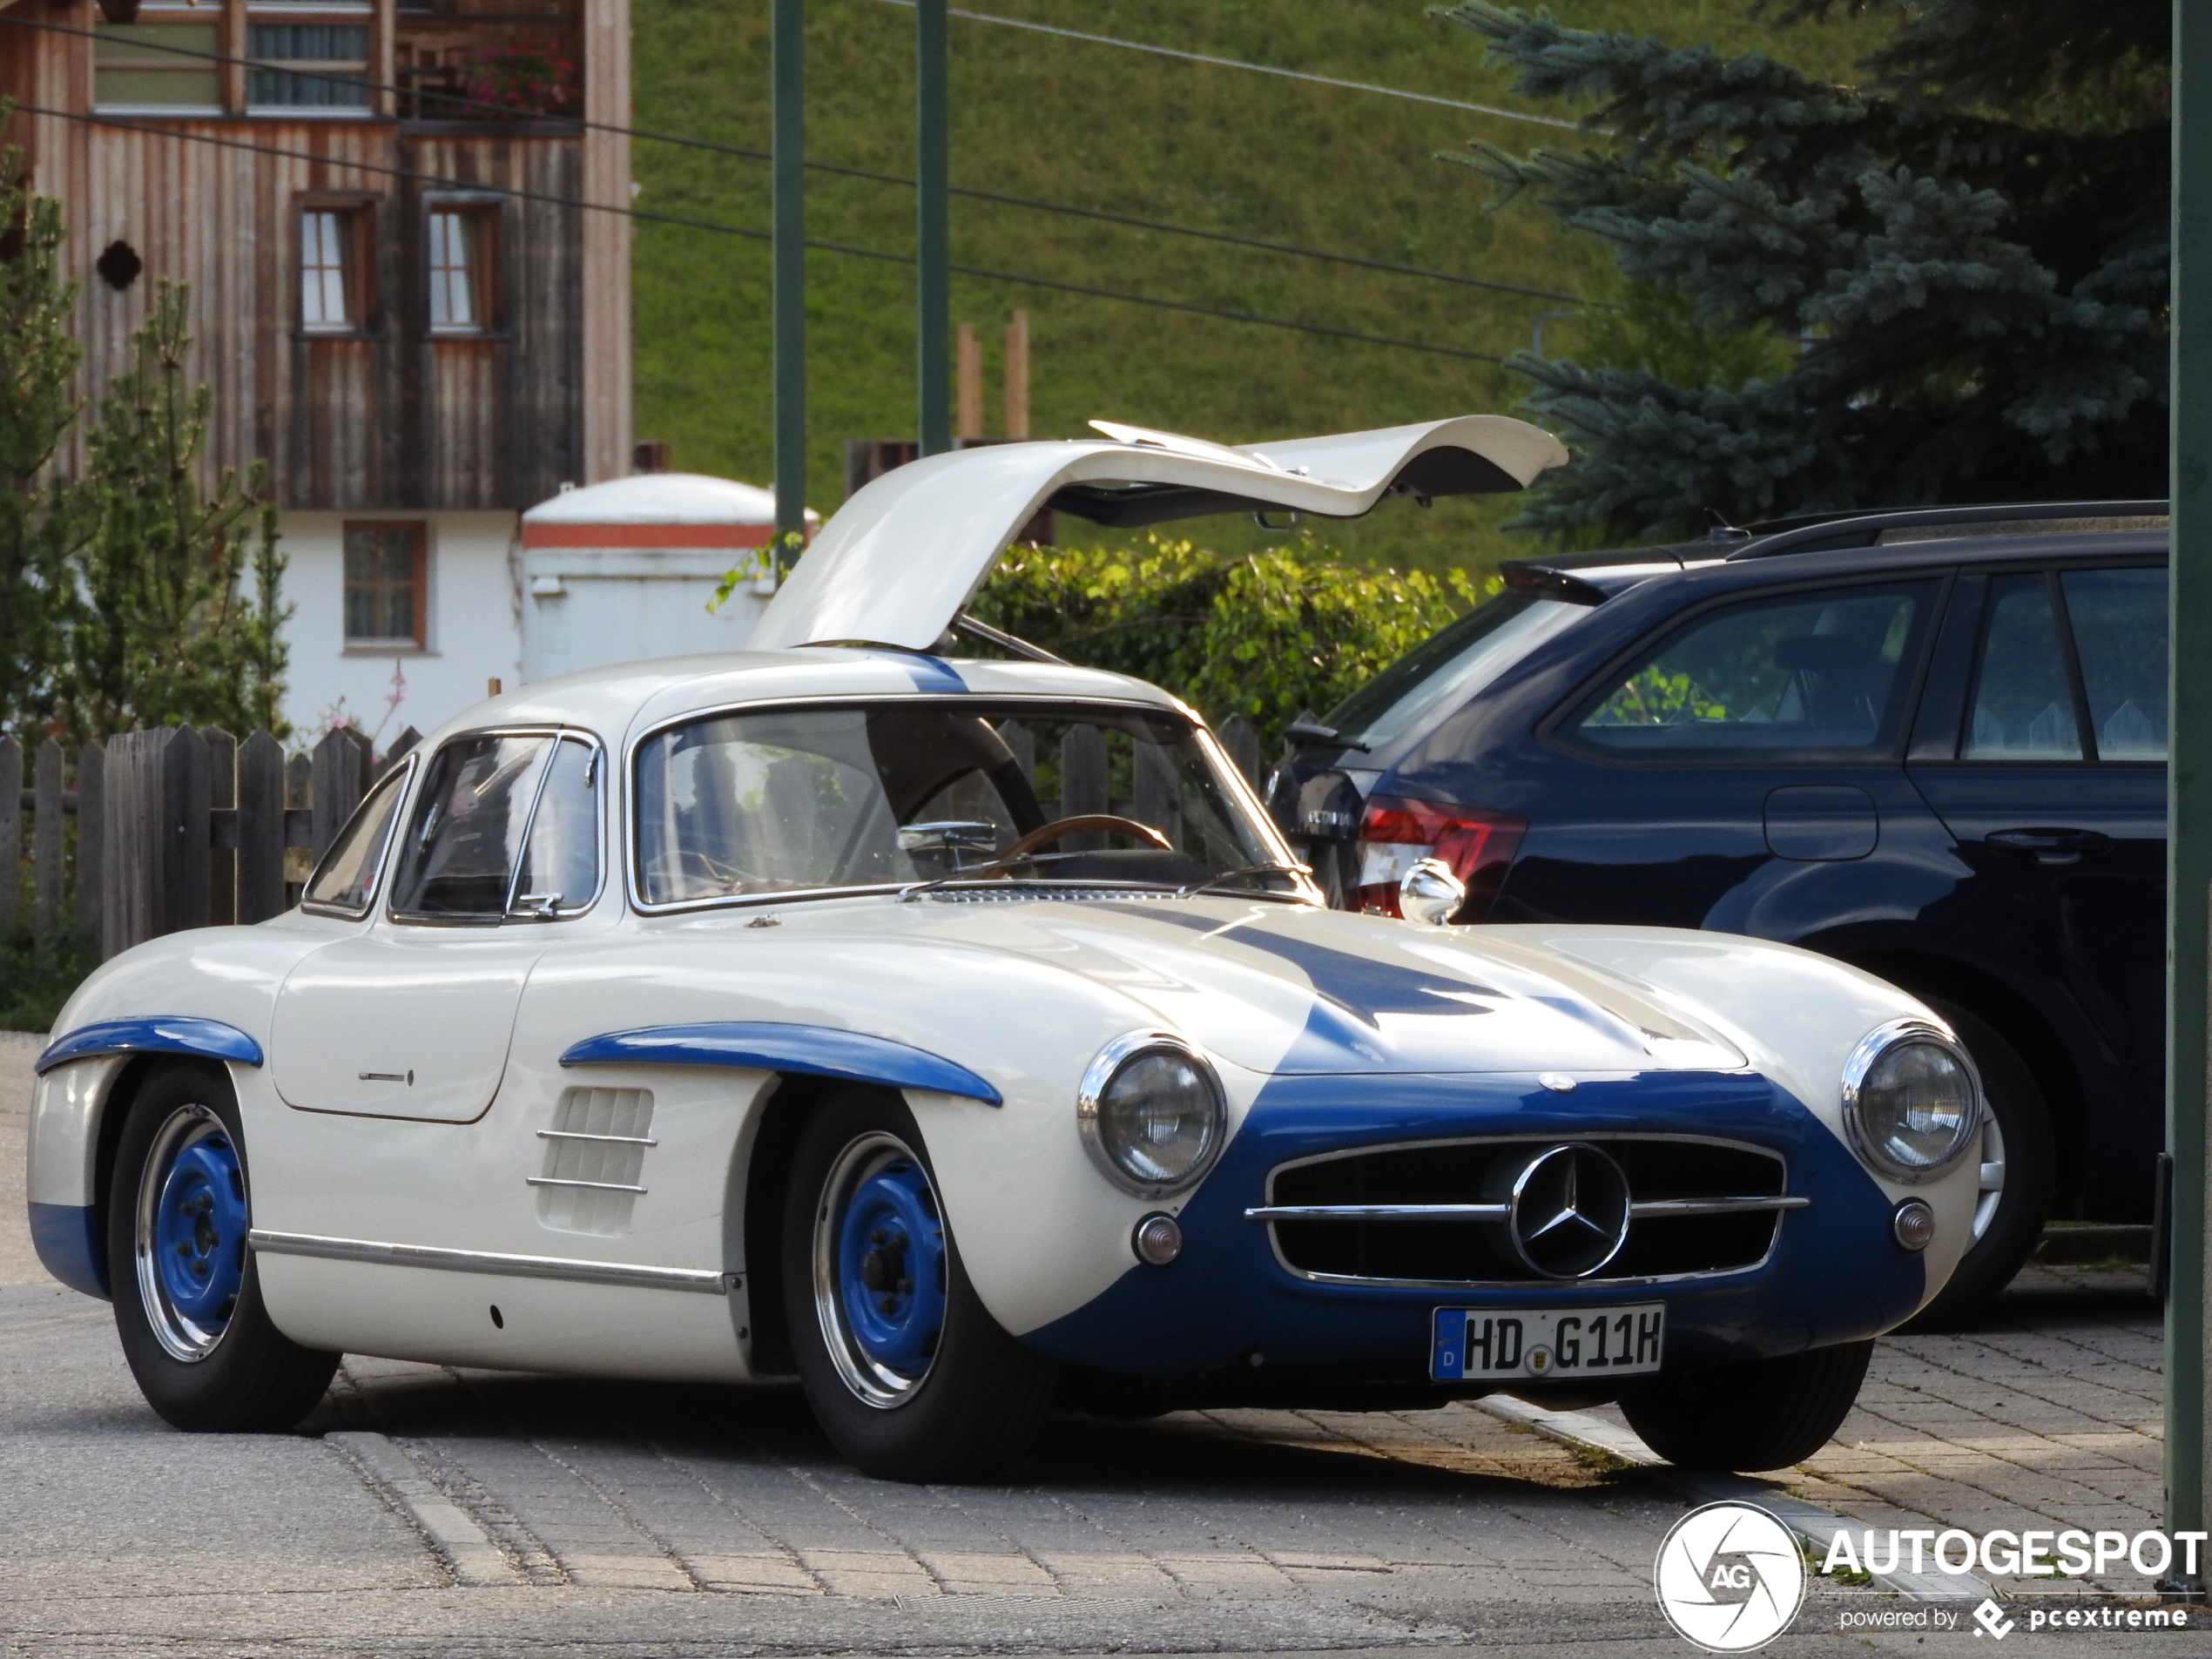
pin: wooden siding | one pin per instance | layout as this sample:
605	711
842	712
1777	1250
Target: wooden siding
392	418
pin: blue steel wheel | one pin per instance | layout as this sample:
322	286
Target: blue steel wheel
188	1305
881	1270
192	1225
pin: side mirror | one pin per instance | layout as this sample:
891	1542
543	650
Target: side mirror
1431	893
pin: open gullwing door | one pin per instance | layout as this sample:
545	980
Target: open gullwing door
898	561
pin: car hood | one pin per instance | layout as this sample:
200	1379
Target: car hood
898	562
1290	990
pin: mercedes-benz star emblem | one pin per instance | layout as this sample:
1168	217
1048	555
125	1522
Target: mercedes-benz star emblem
1569	1211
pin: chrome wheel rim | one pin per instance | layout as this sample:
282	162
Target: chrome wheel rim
190	1232
879	1270
1991	1192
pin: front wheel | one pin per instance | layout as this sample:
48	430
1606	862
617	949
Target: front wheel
187	1295
1770	1415
905	1370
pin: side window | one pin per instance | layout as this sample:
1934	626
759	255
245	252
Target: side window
2119	632
560	869
1827	671
507	826
2023	704
345	881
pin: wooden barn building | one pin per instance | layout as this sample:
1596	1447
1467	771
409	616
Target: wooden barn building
401	295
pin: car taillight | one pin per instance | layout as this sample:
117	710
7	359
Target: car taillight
1395	834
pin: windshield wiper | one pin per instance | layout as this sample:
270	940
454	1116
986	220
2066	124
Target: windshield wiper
1312	734
1271	868
983	872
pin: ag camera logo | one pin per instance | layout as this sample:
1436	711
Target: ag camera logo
1729	1577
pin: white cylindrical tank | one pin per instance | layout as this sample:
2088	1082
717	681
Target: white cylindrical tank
625	569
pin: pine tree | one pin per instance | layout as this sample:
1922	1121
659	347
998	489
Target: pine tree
39	363
161	632
1970	251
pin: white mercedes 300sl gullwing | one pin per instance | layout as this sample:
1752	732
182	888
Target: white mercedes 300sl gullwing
958	1035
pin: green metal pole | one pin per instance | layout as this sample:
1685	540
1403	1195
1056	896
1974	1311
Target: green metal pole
2189	803
933	231
788	222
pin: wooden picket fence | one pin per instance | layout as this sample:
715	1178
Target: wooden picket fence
175	828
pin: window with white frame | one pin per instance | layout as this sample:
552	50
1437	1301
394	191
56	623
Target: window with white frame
460	266
333	289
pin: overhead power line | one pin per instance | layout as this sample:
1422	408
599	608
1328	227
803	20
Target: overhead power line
440	181
1259	69
1028	203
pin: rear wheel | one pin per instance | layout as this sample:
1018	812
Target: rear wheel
906	1370
1770	1415
187	1295
2016	1158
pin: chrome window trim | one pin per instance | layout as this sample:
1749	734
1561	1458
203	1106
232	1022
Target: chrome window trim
1870	1048
406	767
706	1281
1781	1203
601	794
1232	779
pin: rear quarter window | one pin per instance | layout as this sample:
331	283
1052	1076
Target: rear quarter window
1828	672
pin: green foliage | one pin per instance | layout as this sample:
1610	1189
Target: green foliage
38	409
1266	635
130	597
1973	248
165	635
35	981
1656	332
1100	127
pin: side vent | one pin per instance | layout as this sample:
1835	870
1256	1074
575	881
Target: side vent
595	1160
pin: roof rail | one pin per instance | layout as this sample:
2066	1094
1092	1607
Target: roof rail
1867	530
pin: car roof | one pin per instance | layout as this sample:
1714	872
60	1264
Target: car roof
623	700
1825	544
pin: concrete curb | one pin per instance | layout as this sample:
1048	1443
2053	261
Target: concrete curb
1816	1526
468	1549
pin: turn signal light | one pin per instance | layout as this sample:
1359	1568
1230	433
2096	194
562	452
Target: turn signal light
1396	834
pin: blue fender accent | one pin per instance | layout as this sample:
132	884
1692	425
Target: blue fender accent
816	1050
161	1034
67	1238
1834	1276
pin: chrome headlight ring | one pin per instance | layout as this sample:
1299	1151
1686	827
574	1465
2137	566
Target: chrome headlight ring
1145	1151
1862	1084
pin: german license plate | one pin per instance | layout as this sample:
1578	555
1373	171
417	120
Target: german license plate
1477	1344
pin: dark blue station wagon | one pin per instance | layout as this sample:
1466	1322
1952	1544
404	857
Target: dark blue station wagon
1931	743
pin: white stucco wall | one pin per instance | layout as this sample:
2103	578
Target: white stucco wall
473	621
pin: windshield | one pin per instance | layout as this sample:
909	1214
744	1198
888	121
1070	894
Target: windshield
825	799
1448	667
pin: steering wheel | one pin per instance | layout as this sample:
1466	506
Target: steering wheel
1082	824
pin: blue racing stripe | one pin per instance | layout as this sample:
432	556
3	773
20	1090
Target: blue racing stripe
929	673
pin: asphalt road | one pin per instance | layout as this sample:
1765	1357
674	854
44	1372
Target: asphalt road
425	1510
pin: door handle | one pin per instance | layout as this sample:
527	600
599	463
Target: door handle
2047	846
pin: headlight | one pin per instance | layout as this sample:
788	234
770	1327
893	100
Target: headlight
1912	1102
1151	1114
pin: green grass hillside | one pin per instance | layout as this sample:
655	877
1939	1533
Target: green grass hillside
1099	127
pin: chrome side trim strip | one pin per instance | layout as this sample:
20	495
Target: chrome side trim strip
703	1280
610	1140
594	1186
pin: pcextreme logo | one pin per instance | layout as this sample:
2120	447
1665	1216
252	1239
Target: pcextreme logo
1729	1577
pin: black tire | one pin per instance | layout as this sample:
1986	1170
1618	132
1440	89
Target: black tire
976	1398
223	1367
2024	1135
1770	1415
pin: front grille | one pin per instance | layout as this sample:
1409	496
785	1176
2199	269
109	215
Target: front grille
1477	1251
